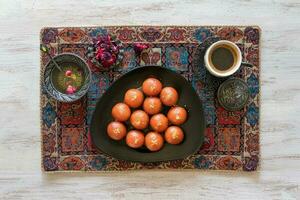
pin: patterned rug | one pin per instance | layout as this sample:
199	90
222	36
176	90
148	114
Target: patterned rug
231	138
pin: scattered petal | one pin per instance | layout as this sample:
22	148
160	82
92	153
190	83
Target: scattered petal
70	89
68	73
139	47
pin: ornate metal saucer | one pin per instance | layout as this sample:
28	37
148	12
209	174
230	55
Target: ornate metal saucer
233	94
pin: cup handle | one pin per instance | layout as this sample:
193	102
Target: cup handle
247	64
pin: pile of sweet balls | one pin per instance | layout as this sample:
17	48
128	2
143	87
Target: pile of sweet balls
147	110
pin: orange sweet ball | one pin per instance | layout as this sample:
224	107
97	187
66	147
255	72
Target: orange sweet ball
174	135
139	119
169	96
135	139
121	112
151	86
159	122
152	105
154	141
116	130
177	115
134	98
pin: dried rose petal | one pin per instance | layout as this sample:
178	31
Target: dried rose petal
114	57
105	56
100	38
104	46
68	73
139	47
114	49
70	89
107	39
107	63
99	54
110	61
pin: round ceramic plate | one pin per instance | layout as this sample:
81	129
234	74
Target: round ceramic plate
193	127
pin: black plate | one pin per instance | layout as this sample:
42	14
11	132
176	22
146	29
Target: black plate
193	127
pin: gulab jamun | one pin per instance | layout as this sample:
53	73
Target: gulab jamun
116	130
139	119
154	141
135	139
174	135
152	105
121	112
177	115
159	122
169	96
134	98
151	86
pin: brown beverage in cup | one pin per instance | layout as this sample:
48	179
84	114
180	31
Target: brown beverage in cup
223	58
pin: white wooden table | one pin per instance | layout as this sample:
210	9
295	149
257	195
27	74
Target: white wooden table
20	174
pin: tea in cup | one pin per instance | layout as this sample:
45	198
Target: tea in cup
223	58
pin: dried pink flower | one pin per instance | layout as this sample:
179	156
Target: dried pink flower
70	89
106	51
68	73
139	47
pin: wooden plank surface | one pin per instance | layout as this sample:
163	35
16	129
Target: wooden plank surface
20	175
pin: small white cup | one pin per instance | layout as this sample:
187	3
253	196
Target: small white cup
237	55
